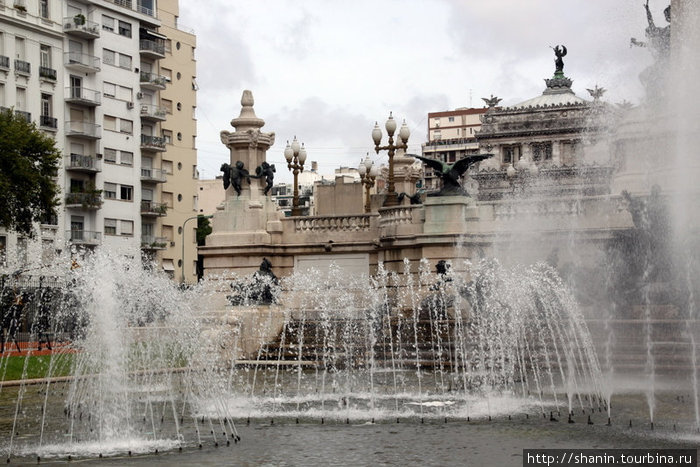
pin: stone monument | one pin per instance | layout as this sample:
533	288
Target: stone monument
249	217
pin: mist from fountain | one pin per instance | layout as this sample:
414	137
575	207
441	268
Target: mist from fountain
422	345
141	364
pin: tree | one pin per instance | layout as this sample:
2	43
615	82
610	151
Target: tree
29	163
203	229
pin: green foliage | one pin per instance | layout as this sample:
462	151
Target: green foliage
203	229
29	163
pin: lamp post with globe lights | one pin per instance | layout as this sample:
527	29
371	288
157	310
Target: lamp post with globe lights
368	174
296	156
402	143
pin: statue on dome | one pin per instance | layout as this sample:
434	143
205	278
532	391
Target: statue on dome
559	52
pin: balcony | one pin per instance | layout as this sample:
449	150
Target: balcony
153	81
83	96
22	67
47	122
151	49
121	3
47	73
83	163
86	130
26	115
153	209
153	112
84	237
81	62
78	26
86	200
149	242
152	175
4	62
152	143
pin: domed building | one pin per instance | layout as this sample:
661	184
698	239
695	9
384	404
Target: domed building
543	144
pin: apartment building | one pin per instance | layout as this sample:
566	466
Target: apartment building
179	162
451	136
89	72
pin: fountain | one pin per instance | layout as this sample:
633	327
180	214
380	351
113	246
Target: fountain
421	327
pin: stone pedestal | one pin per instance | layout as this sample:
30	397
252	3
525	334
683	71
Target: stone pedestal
449	214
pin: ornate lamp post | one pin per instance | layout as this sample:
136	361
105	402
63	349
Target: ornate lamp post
296	156
368	174
402	143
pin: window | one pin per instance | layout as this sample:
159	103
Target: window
450	119
110	123
167	198
45	56
168	232
167	167
126	126
125	61
124	29
179	136
541	152
110	227
46	105
125	93
109	89
107	23
167	73
168	136
195	172
44	9
127	227
168	45
110	190
108	57
168	105
179	106
126	192
110	155
127	158
2	94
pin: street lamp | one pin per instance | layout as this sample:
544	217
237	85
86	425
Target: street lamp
182	266
368	174
402	143
296	156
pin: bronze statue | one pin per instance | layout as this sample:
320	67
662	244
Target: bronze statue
658	38
560	52
268	171
450	174
234	176
261	289
491	101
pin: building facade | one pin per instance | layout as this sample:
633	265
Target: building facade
89	73
451	136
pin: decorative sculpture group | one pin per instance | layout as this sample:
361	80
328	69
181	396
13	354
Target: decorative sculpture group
234	175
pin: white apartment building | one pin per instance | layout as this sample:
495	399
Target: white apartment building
89	72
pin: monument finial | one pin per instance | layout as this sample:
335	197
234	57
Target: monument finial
247	119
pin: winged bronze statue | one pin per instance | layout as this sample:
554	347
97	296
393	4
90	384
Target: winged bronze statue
450	174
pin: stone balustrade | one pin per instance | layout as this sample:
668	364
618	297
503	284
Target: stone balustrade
571	207
348	223
397	215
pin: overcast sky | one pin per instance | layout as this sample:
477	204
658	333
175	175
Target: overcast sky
325	70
